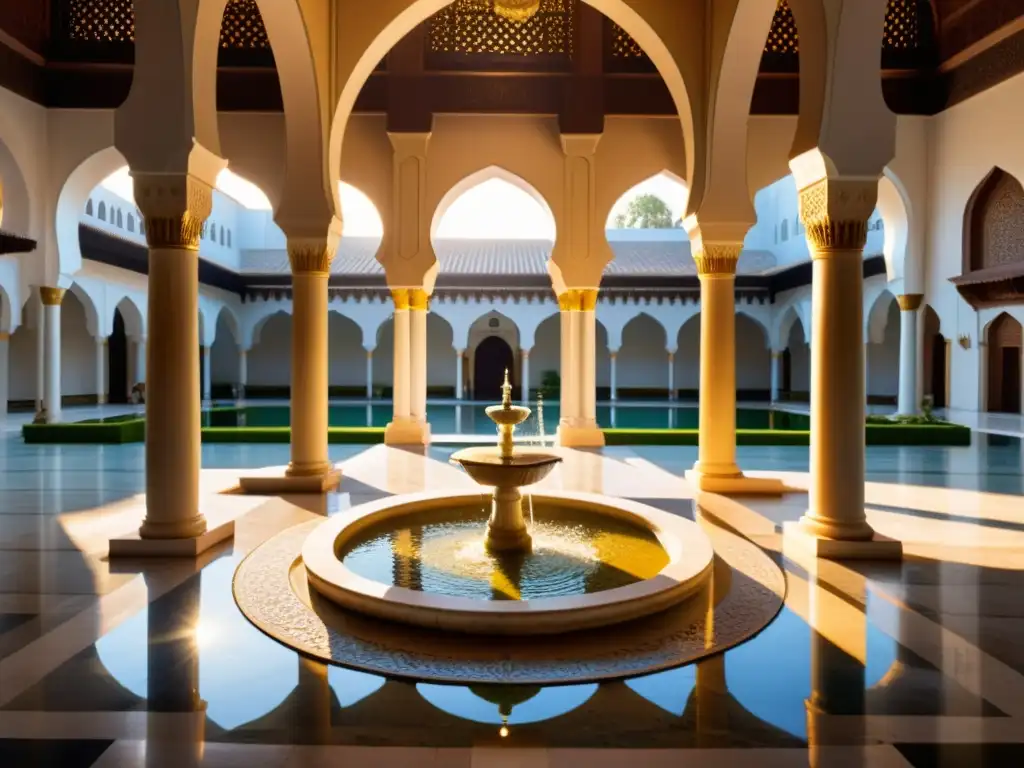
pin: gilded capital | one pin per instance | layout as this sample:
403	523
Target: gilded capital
910	302
310	258
835	213
51	297
401	298
569	301
175	207
588	299
717	259
419	299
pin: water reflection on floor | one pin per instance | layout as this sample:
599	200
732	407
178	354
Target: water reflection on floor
862	645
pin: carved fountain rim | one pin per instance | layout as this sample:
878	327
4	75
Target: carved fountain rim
690	553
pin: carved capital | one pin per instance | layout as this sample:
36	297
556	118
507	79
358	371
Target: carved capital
910	302
401	298
419	299
175	207
835	213
51	297
588	299
569	301
310	257
717	259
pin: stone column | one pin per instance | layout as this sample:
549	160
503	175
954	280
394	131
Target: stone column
587	359
525	376
51	299
404	429
671	357
419	305
40	318
835	214
175	208
243	372
5	349
140	361
207	384
568	412
716	268
369	374
311	265
776	375
101	371
716	470
613	359
459	357
907	402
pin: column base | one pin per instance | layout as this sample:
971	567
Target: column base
878	547
287	484
735	484
407	431
580	435
219	528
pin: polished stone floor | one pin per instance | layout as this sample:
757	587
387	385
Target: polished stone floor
913	664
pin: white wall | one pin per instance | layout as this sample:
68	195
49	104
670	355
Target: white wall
883	355
965	143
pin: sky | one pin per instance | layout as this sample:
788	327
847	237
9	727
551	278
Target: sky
493	209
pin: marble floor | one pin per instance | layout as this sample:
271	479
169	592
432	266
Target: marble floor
151	664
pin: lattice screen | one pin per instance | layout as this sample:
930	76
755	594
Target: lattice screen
902	31
472	27
624	46
113	21
782	38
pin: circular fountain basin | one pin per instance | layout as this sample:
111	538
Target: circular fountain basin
419	559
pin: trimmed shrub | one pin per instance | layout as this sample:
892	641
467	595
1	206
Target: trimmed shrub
112	432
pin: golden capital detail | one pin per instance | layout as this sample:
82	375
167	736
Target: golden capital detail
718	259
419	300
910	302
578	300
175	207
310	258
401	298
835	213
51	297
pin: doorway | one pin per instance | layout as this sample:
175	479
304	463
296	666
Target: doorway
938	373
787	372
492	358
117	362
1004	351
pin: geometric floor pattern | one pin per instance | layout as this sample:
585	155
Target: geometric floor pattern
919	663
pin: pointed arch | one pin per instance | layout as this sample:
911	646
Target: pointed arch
877	316
92	318
992	219
74	192
475	179
894	212
15	201
663	184
88	207
134	318
226	316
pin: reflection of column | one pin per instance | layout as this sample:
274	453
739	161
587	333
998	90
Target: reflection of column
369	374
51	298
243	372
835	212
587	359
671	374
776	375
459	356
172	666
716	266
207	384
313	703
613	359
140	361
525	376
101	371
568	412
5	348
419	305
311	266
910	303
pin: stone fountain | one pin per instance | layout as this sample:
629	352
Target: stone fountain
506	470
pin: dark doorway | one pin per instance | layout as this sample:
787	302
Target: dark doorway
493	357
117	362
787	371
1011	380
938	363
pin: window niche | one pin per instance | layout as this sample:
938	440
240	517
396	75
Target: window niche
993	253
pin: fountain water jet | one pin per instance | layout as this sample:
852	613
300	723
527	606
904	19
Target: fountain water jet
507	471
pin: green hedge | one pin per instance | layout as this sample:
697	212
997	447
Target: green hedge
113	431
942	434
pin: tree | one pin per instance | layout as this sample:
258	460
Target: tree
645	212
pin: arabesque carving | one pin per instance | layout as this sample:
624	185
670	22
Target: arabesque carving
835	213
175	207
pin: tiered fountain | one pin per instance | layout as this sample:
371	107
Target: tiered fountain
468	562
